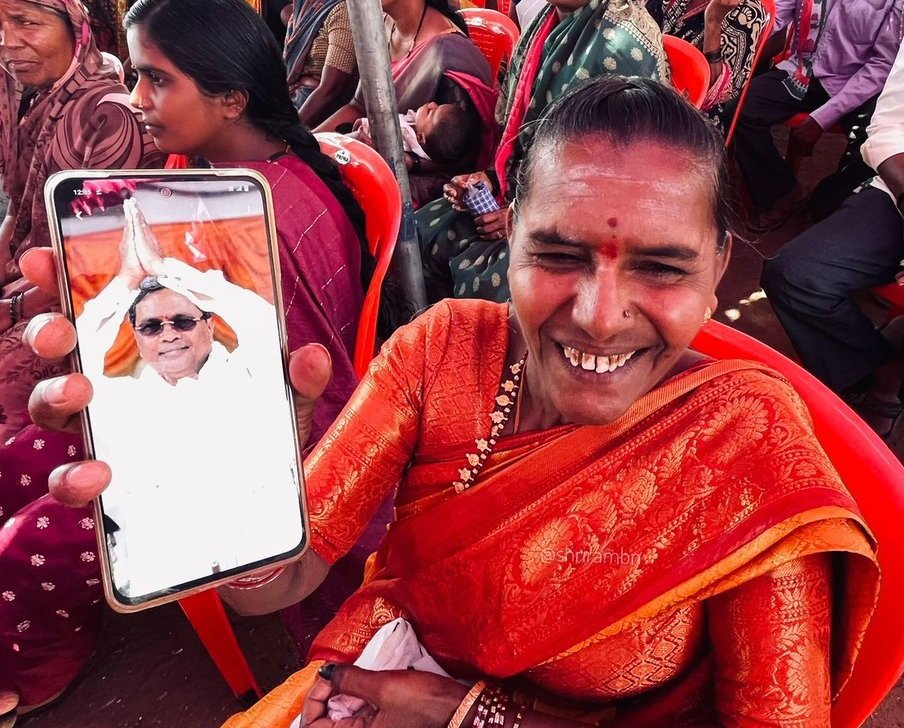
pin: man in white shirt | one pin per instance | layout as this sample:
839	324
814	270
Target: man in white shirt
811	280
199	438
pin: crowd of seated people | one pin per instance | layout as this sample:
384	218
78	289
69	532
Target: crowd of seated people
589	307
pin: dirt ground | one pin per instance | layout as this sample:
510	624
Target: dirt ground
151	670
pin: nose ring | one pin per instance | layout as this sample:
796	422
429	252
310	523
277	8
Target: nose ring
626	313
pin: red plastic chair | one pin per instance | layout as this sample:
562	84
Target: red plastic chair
207	615
690	69
375	187
894	294
494	33
177	161
765	35
875	478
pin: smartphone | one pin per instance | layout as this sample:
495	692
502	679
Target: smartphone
172	281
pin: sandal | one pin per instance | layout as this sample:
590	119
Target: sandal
878	412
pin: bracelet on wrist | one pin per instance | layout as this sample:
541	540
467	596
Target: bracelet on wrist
461	713
713	56
16	308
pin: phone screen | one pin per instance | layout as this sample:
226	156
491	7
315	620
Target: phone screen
173	286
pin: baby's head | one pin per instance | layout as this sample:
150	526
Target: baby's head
445	131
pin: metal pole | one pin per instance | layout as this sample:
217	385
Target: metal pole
372	50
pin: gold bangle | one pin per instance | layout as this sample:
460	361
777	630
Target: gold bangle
464	707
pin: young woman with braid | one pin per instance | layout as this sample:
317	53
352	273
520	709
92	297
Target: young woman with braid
212	86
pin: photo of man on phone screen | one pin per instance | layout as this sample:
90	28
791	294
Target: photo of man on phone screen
200	486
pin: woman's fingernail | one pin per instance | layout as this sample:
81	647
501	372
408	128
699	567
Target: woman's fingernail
55	391
81	476
30	335
326	671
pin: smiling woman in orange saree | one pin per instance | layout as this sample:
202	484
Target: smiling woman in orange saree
667	569
594	523
613	528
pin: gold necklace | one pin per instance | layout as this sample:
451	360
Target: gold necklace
506	401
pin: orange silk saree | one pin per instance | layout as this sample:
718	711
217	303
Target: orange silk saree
697	562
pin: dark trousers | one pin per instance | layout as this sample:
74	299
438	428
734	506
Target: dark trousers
811	280
768	103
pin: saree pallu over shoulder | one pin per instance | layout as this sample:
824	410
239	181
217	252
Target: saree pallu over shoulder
417	76
577	534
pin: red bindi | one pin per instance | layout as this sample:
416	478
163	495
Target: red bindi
612	222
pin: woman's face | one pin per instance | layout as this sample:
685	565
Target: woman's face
178	115
36	44
613	265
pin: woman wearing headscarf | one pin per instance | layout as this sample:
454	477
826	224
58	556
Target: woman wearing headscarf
568	43
728	32
62	106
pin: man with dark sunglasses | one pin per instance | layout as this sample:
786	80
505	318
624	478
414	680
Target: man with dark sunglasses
188	395
174	337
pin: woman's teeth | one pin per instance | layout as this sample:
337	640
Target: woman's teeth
593	362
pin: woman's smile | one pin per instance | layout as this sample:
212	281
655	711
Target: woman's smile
609	284
599	363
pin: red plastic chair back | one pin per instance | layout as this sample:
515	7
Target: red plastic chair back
177	161
765	34
690	70
504	7
494	33
875	478
376	189
894	294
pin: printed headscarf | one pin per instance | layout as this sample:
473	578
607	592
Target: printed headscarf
51	135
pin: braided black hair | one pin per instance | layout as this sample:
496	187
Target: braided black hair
223	45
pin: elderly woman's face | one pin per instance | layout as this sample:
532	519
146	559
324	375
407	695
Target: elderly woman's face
613	266
36	44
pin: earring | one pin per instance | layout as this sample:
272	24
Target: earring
707	314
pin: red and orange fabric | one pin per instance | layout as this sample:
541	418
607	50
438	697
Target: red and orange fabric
697	562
